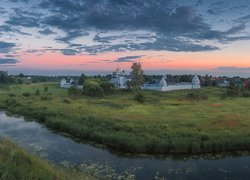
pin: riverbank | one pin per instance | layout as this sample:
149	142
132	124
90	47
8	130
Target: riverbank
16	164
172	122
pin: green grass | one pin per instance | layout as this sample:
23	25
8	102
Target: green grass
16	164
172	122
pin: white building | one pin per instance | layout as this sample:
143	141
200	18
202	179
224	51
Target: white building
119	79
164	86
120	82
67	83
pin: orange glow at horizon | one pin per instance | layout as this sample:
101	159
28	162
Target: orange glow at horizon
150	60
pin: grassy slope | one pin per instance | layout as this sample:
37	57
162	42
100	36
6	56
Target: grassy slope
16	164
167	122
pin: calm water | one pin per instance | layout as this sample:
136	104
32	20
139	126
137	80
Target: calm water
64	151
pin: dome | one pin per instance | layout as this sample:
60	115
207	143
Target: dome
196	79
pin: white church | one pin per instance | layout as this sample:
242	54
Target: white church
67	83
120	81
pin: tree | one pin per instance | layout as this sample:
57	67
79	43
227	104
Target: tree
82	79
37	92
108	88
247	85
92	88
206	81
185	78
139	97
19	81
137	77
214	83
3	77
21	75
117	72
46	89
233	90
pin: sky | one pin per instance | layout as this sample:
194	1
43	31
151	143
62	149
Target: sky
69	37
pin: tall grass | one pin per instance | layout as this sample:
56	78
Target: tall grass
16	164
172	122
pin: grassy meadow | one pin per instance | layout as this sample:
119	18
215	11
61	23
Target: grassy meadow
187	121
16	164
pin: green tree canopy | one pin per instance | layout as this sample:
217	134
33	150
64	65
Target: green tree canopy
74	91
3	77
137	75
83	77
92	88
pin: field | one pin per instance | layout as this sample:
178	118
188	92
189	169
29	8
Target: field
189	121
16	164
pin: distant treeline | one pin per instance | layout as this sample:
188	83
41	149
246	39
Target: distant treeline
205	80
21	78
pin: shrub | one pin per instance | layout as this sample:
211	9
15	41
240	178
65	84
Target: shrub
92	88
74	91
46	89
45	98
196	96
37	92
34	80
223	96
19	81
11	102
12	95
107	87
66	101
233	90
139	97
26	94
246	94
204	137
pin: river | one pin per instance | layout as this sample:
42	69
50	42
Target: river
68	152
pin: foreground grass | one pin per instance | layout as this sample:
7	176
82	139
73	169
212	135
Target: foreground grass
171	122
16	164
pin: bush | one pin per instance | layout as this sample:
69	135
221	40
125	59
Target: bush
19	81
233	90
92	88
46	89
66	101
26	94
45	98
139	97
223	96
246	94
12	95
11	102
196	96
37	92
74	91
107	87
34	80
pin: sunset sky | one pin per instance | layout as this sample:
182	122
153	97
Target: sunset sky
95	36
